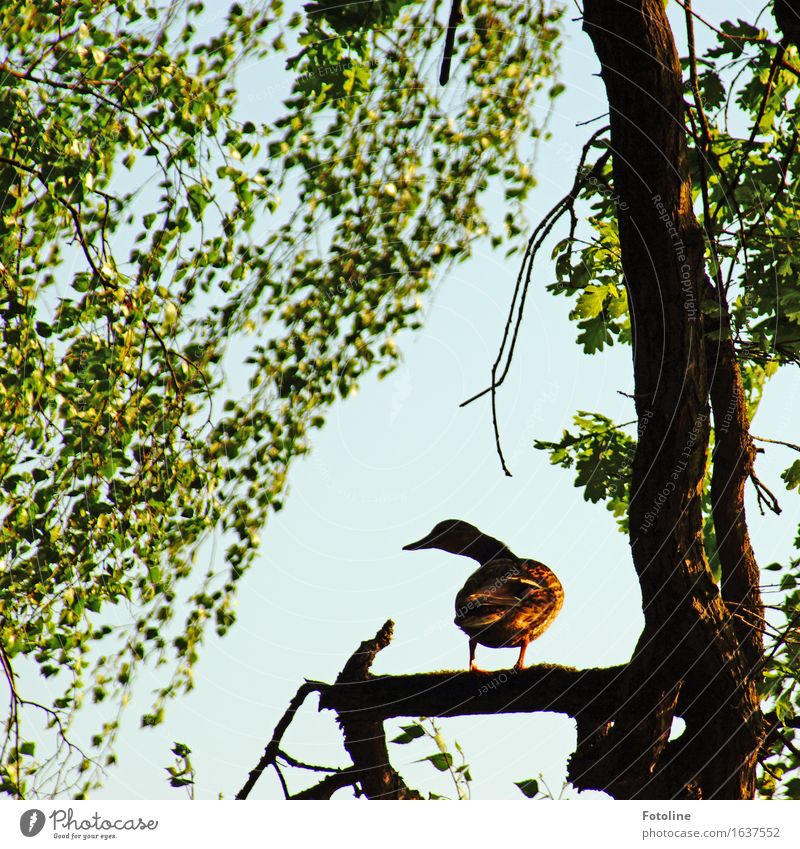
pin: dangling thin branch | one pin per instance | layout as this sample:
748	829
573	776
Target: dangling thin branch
537	238
456	17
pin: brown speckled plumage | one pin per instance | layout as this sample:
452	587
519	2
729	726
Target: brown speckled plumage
509	601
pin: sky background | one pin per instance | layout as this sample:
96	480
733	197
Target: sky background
399	457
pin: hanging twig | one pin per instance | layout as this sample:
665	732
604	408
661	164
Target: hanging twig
705	135
537	238
456	17
754	130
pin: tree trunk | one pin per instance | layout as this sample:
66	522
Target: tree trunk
689	656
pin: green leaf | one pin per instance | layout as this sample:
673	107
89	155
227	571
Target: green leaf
441	760
791	476
410	732
198	200
529	787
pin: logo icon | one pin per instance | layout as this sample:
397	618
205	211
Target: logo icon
31	822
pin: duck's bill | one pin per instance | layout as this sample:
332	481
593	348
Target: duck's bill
425	542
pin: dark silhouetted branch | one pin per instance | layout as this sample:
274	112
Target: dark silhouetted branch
364	736
362	701
542	688
273	747
456	17
329	785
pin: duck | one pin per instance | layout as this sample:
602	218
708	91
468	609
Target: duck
508	601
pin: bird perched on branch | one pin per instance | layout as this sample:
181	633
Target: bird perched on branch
509	601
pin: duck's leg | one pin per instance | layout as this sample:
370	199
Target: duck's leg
473	667
520	664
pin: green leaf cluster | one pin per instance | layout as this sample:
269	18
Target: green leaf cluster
442	760
602	455
147	250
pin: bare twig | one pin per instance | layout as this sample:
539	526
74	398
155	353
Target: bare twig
778	442
301	765
687	7
282	780
273	747
537	238
765	496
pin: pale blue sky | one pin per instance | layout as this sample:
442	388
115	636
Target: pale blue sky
389	464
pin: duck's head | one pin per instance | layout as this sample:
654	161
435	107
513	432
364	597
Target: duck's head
459	537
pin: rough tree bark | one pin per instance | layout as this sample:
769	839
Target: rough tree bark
734	455
690	652
363	733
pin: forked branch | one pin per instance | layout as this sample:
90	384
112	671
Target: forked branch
362	701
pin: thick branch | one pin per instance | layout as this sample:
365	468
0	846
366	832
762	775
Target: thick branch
329	785
553	689
363	701
364	737
734	454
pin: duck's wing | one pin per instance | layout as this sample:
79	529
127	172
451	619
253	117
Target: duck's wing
525	592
